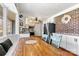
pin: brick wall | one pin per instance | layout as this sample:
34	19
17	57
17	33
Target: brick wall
72	26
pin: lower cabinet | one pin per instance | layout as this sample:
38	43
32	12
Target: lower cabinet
45	37
70	43
78	48
63	41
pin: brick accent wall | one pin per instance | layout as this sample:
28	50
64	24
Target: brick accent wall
72	26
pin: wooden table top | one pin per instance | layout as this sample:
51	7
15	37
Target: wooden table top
41	48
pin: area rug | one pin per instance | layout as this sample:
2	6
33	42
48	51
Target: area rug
30	41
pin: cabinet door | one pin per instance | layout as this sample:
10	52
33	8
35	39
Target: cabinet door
63	41
72	44
78	46
75	44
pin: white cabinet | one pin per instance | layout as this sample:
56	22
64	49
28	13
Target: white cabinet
45	37
72	44
78	47
63	41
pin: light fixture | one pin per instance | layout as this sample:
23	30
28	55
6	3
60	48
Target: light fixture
65	19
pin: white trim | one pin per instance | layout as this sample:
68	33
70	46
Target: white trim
65	11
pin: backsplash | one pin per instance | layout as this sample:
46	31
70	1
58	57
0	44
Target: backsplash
72	26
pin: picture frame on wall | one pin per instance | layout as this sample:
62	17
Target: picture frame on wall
21	23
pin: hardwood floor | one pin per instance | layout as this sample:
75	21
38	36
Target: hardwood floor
41	48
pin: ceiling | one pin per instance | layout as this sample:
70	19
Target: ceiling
44	10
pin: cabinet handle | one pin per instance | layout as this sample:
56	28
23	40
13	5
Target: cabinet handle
75	39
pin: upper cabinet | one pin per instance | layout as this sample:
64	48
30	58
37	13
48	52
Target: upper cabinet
12	10
11	7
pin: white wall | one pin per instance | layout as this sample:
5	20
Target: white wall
51	20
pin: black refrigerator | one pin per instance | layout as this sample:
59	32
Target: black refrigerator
51	27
